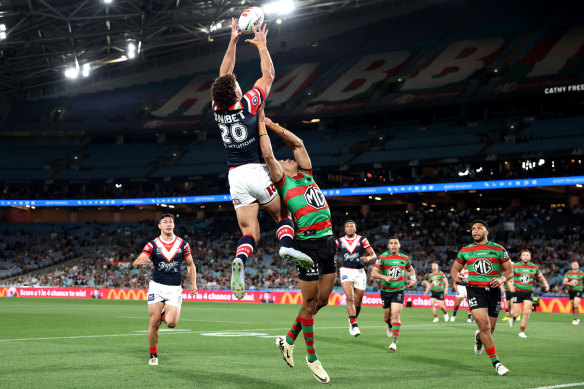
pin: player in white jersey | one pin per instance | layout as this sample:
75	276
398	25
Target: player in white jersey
355	250
250	185
166	253
460	290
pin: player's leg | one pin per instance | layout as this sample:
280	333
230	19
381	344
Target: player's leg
507	308
154	311
348	288
515	310
441	306
285	232
358	297
247	218
527	304
387	320
396	309
433	307
457	302
310	297
576	309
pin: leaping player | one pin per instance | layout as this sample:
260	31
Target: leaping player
249	182
166	253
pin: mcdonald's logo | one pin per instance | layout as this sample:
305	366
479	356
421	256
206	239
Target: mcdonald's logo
125	294
291	298
561	305
335	298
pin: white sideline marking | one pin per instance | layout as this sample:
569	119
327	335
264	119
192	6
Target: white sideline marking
561	386
186	331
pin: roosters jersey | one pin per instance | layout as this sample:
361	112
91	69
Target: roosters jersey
239	128
352	250
167	258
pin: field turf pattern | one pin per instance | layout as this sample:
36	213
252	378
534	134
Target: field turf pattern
98	343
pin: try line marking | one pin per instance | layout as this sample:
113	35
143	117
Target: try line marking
561	386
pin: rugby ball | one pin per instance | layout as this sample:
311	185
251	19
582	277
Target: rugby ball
252	16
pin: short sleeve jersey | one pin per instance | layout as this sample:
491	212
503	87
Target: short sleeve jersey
239	128
307	205
577	276
167	258
436	281
352	250
524	275
394	266
484	262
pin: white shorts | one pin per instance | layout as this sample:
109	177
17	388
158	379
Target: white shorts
250	183
168	294
356	276
460	291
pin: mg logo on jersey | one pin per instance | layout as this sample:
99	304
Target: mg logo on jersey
314	198
524	279
394	272
483	266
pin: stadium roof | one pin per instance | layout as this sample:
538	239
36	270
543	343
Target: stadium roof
43	38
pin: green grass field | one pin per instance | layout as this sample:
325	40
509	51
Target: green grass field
50	343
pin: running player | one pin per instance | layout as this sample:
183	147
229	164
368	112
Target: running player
390	268
166	253
249	182
355	250
508	291
303	198
439	285
485	261
574	280
524	272
460	290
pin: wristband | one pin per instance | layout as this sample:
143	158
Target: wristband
503	277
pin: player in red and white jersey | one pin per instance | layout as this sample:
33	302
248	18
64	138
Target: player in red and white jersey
355	250
166	253
249	181
460	290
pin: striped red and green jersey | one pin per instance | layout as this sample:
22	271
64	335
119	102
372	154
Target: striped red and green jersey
578	276
394	266
523	276
437	281
307	205
484	262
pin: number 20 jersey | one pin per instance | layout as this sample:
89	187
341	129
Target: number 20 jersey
239	128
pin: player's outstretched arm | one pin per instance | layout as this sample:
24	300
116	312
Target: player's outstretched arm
446	285
294	142
142	259
276	171
228	63
371	256
192	270
267	66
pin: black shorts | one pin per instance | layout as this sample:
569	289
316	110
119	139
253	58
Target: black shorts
509	295
575	293
437	295
391	297
323	252
489	298
519	297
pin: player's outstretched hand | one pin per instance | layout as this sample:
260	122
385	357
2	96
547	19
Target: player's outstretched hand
260	34
193	290
235	33
143	261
